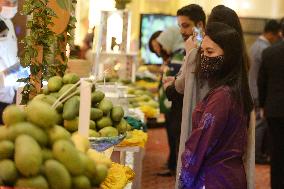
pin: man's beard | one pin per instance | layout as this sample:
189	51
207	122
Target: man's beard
185	36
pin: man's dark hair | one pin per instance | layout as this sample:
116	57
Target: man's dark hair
272	26
154	36
194	12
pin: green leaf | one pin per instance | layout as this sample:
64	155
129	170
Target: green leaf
64	4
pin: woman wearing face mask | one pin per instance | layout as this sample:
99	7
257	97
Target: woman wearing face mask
212	158
8	54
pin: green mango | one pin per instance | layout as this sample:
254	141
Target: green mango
81	182
13	114
54	84
100	174
117	113
6	149
70	78
71	125
8	173
92	125
65	88
41	114
93	133
96	113
37	182
57	175
106	106
108	132
28	129
28	156
68	155
97	96
71	108
104	122
56	133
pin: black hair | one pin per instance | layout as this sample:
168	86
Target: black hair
272	26
233	72
226	15
282	26
194	12
154	36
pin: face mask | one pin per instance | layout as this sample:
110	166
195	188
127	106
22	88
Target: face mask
210	66
8	12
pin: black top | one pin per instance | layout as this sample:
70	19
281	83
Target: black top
271	81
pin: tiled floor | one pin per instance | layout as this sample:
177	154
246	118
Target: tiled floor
156	157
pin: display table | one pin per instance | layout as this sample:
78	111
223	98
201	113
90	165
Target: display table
132	157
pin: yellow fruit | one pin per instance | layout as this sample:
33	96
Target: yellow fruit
81	143
98	157
28	157
4	133
13	114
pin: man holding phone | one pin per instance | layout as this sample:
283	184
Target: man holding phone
190	18
8	53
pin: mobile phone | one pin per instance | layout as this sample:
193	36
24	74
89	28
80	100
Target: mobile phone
199	35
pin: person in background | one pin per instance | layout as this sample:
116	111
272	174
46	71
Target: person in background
269	36
8	54
188	17
271	102
187	84
87	43
213	156
169	45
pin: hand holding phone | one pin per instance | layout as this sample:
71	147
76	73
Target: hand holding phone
198	34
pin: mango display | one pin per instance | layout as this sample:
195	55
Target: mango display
54	84
37	156
13	115
38	182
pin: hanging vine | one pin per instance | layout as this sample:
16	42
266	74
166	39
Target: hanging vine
44	51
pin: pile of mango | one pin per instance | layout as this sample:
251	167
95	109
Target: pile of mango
106	120
145	101
37	153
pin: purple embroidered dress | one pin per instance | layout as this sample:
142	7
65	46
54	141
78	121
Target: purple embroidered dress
213	153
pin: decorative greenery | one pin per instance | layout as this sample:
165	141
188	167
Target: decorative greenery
42	40
121	4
